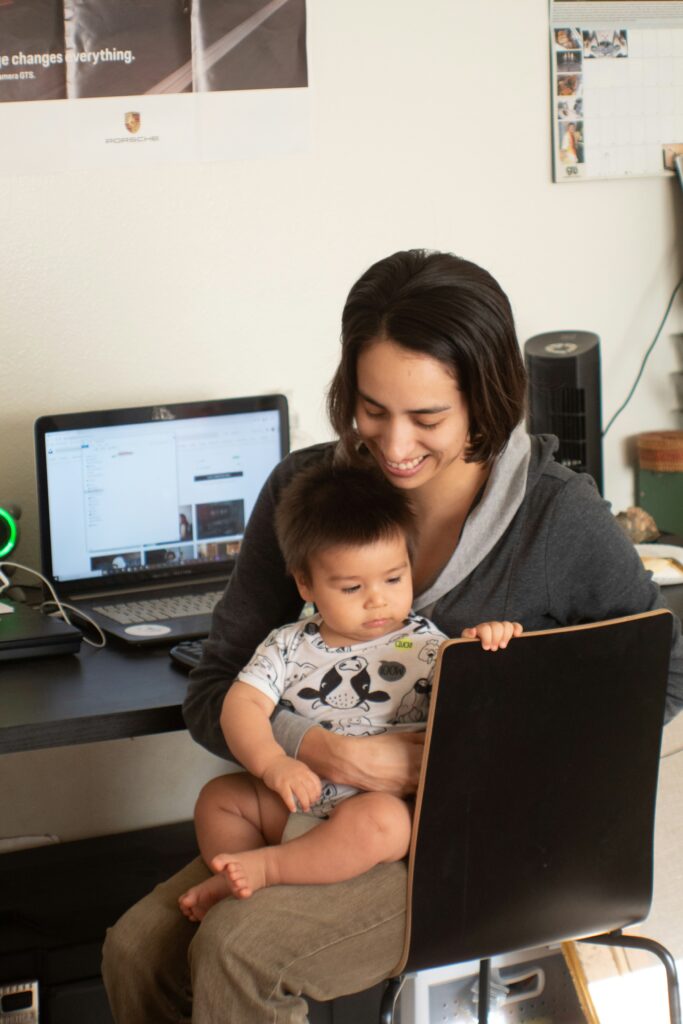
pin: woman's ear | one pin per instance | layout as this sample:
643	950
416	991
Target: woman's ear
304	586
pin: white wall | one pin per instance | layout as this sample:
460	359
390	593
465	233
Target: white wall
430	127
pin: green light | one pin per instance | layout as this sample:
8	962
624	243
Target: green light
5	550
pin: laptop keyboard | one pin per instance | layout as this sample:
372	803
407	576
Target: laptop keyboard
154	609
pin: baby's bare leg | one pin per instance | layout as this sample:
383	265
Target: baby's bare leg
365	830
233	813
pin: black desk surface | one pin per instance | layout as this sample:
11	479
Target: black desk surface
105	694
96	695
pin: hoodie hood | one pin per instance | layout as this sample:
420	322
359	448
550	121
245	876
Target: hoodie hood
514	473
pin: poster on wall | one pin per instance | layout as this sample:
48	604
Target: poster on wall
130	82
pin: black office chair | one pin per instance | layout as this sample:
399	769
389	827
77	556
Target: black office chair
535	812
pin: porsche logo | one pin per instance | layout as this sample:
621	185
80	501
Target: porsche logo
132	121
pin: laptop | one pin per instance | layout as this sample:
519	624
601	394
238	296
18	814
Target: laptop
142	511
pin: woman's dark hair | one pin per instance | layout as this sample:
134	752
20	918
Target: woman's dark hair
450	309
331	505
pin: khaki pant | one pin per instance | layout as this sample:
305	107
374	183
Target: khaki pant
252	961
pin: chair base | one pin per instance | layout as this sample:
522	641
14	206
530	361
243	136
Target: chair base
390	998
615	938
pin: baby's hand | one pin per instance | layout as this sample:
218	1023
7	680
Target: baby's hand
493	634
298	786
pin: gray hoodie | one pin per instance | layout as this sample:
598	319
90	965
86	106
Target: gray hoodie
540	547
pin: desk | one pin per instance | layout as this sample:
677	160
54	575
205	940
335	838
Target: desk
105	694
58	701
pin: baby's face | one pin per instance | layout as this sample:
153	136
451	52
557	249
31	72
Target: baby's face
361	592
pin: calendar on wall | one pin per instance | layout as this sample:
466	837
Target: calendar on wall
617	87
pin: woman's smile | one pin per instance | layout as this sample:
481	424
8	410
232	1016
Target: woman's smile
407	467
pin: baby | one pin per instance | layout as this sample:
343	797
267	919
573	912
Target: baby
361	665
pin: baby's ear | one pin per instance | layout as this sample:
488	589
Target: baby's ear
304	585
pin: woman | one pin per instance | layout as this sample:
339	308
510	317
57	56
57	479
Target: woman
431	387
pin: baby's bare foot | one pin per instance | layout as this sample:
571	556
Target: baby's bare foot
198	900
244	876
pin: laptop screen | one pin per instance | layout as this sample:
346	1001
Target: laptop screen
152	493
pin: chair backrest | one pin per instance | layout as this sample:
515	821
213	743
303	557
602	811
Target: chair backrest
535	812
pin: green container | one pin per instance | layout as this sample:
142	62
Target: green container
661	494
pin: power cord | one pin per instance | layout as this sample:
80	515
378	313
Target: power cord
678	170
60	606
645	358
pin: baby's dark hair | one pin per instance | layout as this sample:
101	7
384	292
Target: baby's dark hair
330	505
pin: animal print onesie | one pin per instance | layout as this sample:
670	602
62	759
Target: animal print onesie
359	690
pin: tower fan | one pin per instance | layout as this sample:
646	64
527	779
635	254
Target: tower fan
564	396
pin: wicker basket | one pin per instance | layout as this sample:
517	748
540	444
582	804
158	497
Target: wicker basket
661	451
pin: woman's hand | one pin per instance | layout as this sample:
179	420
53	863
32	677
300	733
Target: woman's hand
387	763
493	635
294	781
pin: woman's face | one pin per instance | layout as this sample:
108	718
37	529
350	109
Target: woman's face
410	414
